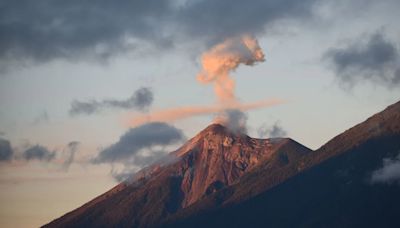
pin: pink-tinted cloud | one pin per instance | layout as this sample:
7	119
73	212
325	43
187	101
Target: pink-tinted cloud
174	114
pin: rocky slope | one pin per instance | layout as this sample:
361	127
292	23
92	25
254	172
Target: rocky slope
213	160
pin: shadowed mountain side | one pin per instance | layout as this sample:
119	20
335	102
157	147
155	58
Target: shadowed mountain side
336	193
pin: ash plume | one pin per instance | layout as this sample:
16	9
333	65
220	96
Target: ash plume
233	119
222	59
174	114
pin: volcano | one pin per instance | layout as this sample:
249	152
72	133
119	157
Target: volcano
222	179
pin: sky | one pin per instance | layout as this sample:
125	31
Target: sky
90	93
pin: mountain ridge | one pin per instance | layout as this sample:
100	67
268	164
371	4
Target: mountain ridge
217	171
210	161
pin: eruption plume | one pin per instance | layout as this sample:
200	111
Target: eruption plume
224	58
173	114
217	64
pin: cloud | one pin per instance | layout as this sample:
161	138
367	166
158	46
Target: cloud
50	29
274	131
69	29
216	20
140	168
38	152
234	119
140	147
140	100
70	151
6	151
136	139
122	175
173	114
389	173
374	58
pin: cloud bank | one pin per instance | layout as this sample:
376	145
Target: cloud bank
51	29
140	100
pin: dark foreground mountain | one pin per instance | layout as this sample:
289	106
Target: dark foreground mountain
223	179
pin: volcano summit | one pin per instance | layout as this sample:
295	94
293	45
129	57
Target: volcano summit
219	178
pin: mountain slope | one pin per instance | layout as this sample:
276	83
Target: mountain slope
212	160
222	179
333	190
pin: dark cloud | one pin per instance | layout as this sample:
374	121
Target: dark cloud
38	152
54	28
373	58
216	20
274	131
70	151
137	139
6	151
234	119
48	29
389	173
140	100
135	149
